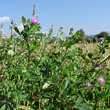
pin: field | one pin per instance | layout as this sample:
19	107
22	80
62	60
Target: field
90	48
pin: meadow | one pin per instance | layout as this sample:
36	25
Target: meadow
39	71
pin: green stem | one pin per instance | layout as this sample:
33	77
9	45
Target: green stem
28	47
39	103
11	68
95	107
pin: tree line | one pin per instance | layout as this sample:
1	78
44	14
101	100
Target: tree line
94	38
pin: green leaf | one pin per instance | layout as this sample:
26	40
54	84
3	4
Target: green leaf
84	106
71	53
83	88
90	55
28	21
23	97
79	100
66	83
77	33
34	47
104	41
23	19
90	95
105	86
34	28
50	31
1	58
6	107
17	30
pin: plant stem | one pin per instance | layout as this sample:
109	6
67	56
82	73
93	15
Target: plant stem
28	47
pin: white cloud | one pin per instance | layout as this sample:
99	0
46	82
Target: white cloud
4	19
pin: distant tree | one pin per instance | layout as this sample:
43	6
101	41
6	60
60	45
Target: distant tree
103	34
82	34
95	39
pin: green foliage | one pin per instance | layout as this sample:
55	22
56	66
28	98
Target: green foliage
103	34
47	73
23	19
82	34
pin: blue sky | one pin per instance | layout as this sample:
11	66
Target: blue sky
93	16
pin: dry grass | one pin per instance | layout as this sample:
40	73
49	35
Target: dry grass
90	47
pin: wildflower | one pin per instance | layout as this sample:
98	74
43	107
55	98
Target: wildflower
75	68
88	84
38	57
101	80
98	64
0	66
19	49
69	48
80	41
30	39
52	43
34	20
39	39
97	68
11	52
100	39
47	50
11	46
25	24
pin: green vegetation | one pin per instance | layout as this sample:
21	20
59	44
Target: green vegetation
42	72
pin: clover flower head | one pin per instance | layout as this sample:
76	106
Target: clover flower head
19	49
11	52
100	39
38	57
101	80
98	64
75	68
39	39
52	43
88	84
34	20
25	24
97	68
69	48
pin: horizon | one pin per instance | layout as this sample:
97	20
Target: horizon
91	16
